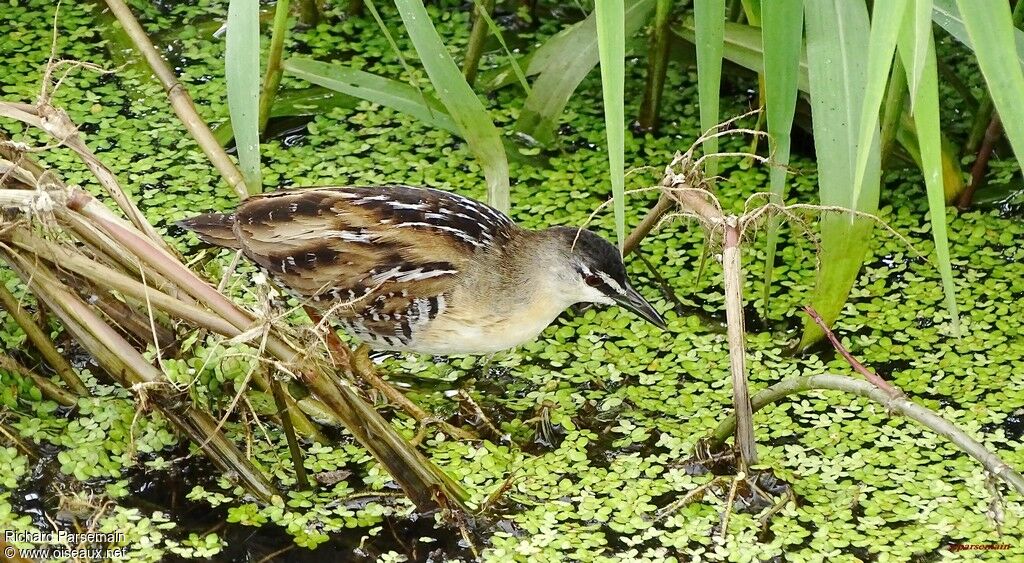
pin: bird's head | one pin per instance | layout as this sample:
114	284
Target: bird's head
594	273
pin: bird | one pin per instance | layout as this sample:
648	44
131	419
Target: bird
422	270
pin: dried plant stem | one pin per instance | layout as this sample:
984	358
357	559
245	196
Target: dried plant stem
647	224
272	77
180	99
115	254
57	124
724	526
362	365
12	436
107	277
693	495
110	278
148	327
42	342
425	484
124	363
895	405
48	388
733	274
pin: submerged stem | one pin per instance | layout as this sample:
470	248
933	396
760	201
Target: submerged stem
895	405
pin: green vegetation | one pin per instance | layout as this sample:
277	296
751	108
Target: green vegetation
602	412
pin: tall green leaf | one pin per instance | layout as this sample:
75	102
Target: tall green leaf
837	39
611	41
925	106
885	29
990	27
377	89
782	33
918	34
562	63
709	19
242	68
947	15
463	105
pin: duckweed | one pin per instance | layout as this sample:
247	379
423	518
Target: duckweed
599	413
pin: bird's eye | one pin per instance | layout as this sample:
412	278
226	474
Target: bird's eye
592	280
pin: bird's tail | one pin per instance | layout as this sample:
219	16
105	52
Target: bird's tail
213	228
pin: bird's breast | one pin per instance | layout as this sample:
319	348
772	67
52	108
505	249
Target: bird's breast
486	329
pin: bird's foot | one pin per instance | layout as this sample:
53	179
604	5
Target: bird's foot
750	490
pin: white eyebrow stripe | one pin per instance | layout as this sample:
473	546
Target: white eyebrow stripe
611	282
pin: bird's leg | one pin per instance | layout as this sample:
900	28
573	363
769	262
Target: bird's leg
360	364
363	367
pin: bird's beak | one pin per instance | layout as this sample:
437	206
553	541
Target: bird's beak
635	302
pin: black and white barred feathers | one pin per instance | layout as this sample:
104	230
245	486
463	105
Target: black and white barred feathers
382	259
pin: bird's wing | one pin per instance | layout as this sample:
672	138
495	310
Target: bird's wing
389	250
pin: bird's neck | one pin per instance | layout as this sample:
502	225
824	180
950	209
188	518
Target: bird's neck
535	263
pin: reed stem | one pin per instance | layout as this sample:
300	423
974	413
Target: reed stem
477	37
272	77
180	99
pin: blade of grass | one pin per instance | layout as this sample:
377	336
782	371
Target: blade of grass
989	25
463	105
837	38
410	74
611	41
562	63
292	102
782	34
709	19
920	14
925	106
377	89
242	69
496	32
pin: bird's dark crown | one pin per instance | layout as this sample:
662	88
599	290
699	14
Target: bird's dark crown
592	252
